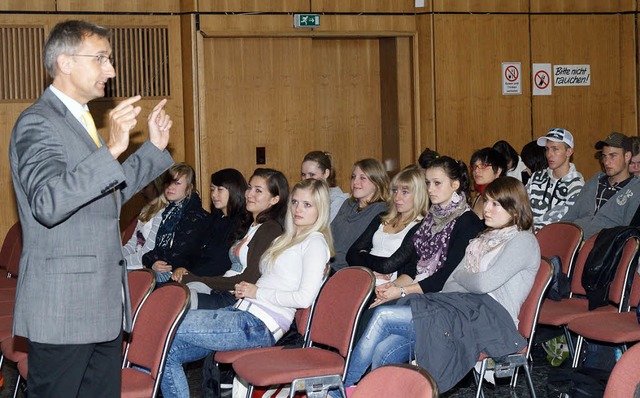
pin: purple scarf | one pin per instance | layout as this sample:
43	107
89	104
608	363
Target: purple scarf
431	240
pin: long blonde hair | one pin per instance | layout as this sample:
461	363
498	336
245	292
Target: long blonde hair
412	178
150	210
320	191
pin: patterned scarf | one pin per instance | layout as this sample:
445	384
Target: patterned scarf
486	242
167	228
431	240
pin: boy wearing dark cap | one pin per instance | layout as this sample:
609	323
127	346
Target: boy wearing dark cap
608	199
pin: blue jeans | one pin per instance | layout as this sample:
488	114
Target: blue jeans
389	338
204	331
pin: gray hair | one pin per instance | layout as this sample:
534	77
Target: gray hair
65	38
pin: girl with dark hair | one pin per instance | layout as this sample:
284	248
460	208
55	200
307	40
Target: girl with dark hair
319	165
425	261
229	221
266	200
369	193
515	165
477	310
487	164
182	226
534	159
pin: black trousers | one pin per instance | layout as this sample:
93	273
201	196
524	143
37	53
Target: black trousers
75	370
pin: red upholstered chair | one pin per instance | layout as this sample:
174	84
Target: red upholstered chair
151	338
561	239
11	239
625	376
398	380
560	313
128	232
333	326
10	257
528	320
615	328
141	284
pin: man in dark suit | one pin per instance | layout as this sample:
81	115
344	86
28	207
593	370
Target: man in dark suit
70	188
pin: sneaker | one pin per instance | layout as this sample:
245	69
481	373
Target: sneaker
557	350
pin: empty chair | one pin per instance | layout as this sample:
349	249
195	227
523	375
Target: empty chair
151	337
560	313
561	239
141	284
614	328
398	380
11	239
625	376
528	320
335	317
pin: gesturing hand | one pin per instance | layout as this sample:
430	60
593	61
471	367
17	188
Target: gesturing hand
122	119
159	126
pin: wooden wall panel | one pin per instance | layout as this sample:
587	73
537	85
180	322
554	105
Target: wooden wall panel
21	5
347	76
107	6
471	111
253	6
366	6
481	5
424	84
330	25
258	93
606	42
587	6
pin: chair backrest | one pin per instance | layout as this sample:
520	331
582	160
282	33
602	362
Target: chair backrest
576	277
530	309
625	377
338	308
561	239
397	380
618	291
155	327
11	250
128	232
141	284
634	296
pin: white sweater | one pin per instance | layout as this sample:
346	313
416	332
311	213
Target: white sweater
294	280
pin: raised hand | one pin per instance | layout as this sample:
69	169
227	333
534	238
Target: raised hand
159	126
122	119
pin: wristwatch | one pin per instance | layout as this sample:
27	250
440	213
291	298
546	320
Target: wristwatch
402	292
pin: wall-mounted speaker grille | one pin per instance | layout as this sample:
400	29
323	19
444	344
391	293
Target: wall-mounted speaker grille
141	62
22	75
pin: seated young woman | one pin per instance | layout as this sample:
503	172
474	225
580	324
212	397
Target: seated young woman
229	222
477	310
183	224
426	260
369	193
266	200
143	239
385	234
319	165
292	273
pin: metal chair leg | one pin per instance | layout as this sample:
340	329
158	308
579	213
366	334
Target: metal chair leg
576	357
480	378
529	381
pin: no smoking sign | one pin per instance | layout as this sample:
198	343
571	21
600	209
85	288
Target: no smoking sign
541	74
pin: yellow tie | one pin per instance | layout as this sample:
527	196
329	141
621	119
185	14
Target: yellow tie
91	127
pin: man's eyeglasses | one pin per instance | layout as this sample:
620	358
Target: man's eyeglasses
101	59
480	166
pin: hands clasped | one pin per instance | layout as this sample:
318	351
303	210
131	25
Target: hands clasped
123	118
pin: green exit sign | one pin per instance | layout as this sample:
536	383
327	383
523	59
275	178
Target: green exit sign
306	20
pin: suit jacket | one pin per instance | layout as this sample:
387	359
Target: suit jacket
69	193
